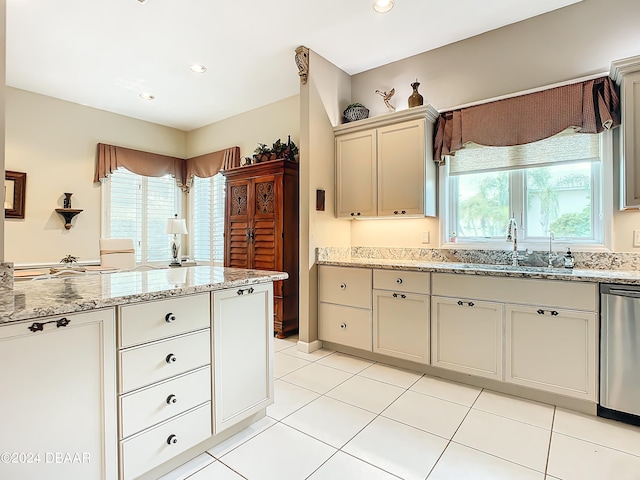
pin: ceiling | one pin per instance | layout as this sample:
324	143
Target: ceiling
104	53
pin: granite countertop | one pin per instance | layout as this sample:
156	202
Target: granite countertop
567	274
78	293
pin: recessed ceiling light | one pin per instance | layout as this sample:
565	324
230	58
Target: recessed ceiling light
197	68
146	96
383	6
142	1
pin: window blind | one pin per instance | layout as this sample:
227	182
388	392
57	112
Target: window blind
207	219
567	146
138	208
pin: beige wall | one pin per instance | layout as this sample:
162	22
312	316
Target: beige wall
262	125
569	43
54	142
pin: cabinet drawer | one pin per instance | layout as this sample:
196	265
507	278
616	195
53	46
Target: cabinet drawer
538	292
401	281
145	408
152	447
345	286
148	321
345	325
147	364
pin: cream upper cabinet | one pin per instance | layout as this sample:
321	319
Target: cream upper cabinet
356	179
626	73
242	353
401	167
466	336
58	412
552	349
384	165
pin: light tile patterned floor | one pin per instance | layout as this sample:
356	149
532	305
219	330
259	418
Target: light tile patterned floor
338	417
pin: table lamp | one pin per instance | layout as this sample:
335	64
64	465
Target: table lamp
176	226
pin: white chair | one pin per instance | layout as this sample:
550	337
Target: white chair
118	253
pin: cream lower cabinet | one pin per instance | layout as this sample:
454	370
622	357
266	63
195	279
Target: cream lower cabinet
242	338
58	406
466	336
344	311
165	380
552	349
401	314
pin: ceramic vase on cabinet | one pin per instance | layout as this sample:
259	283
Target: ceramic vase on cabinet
415	100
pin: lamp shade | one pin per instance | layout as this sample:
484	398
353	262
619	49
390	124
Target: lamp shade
176	225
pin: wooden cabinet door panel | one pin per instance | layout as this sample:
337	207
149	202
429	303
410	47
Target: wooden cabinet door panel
356	174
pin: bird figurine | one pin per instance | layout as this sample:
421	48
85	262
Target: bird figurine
386	97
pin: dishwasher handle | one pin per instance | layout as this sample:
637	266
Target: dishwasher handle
624	293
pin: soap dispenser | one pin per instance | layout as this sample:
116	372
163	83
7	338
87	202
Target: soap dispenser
569	259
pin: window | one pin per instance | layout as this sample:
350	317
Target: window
207	219
551	186
138	207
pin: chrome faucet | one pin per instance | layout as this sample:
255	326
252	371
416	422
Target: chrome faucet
552	255
512	236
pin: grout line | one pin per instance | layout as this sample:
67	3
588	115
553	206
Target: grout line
235	471
546	465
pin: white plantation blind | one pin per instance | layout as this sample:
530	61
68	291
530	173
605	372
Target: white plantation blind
566	146
138	207
207	219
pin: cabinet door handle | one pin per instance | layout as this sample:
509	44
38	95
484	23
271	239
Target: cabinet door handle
358	214
171	358
395	212
343	286
343	326
248	290
172	440
352	214
170	318
39	326
554	313
399	281
401	295
470	304
172	400
404	211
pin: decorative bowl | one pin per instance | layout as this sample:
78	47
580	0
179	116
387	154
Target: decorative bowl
352	114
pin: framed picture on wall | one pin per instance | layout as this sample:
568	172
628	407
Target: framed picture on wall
14	194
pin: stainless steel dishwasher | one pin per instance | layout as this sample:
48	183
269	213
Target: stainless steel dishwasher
620	352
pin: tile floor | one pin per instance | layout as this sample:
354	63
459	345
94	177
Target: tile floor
338	417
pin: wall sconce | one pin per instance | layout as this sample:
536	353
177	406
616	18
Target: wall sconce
67	212
176	226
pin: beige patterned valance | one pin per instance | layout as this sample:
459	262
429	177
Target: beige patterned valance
589	107
110	157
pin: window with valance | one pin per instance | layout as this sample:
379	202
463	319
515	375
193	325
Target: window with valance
536	158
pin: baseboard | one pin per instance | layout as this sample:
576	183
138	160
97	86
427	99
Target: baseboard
309	347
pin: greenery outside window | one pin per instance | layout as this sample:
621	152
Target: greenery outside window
559	186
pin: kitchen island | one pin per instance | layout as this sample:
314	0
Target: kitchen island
128	375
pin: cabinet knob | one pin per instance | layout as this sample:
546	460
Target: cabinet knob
460	302
172	440
343	326
471	304
404	211
540	311
343	286
399	281
171	358
352	214
358	214
395	212
170	318
172	400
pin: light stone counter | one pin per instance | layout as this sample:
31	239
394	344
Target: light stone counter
435	261
78	293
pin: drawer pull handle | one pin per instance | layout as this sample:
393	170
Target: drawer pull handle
470	304
39	326
343	286
401	295
172	440
343	326
248	290
171	358
170	318
554	313
172	400
399	281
